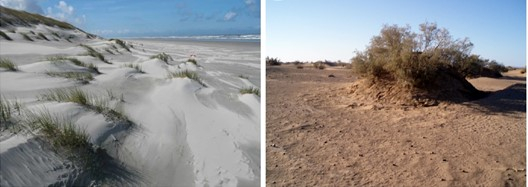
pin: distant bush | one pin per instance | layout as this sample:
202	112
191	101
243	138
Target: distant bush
7	64
250	90
188	74
5	36
26	37
273	61
319	65
523	71
163	57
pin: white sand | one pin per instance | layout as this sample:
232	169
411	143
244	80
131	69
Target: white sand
184	134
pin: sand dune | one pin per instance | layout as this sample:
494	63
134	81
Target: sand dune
317	135
180	132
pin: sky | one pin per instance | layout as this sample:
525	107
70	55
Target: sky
310	30
133	18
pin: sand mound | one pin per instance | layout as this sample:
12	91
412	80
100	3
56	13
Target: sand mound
448	87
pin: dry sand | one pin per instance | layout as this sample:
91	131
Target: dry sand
316	135
183	133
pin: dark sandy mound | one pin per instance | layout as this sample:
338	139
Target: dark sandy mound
448	86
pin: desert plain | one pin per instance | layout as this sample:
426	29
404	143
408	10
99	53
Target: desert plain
318	134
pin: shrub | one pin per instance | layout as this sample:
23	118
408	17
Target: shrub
250	90
401	55
188	74
42	36
164	57
273	61
5	36
92	52
7	64
523	71
26	37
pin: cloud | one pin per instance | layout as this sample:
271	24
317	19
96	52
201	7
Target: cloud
25	5
64	12
229	16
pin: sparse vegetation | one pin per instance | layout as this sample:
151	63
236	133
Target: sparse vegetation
5	36
83	77
56	34
189	74
26	37
29	18
250	90
93	68
164	57
137	67
42	36
122	44
523	71
7	64
76	95
273	61
92	52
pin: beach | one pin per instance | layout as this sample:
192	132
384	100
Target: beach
169	130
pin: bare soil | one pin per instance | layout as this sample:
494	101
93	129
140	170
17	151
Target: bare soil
318	135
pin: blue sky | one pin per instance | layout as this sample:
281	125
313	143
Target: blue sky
123	18
310	30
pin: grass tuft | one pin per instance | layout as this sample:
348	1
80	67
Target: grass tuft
42	36
186	74
5	36
67	95
163	56
109	51
92	52
121	43
243	77
7	108
192	60
83	77
250	90
7	64
137	67
26	37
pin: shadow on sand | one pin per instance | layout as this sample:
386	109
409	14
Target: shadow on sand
511	99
